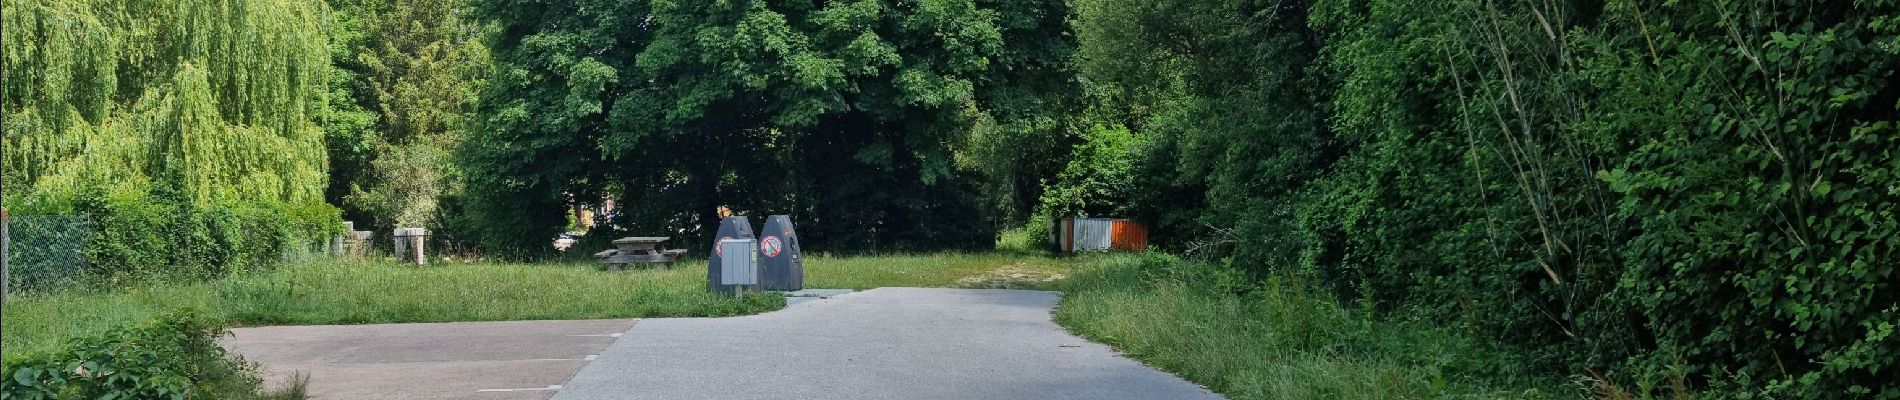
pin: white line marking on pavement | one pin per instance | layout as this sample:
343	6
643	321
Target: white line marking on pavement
550	387
590	357
613	335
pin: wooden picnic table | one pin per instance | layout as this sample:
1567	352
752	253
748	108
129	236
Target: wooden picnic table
639	249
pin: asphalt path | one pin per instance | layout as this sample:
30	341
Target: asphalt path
515	360
889	343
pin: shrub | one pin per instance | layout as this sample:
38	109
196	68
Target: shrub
1097	179
140	236
1031	237
1280	339
1688	194
175	356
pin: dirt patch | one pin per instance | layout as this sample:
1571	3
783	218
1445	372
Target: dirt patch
1012	276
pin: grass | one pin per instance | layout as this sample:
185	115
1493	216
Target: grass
982	270
313	293
1239	336
1278	339
359	292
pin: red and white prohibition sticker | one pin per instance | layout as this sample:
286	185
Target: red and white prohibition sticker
771	246
719	248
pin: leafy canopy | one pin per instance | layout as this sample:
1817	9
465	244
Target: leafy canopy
849	114
218	98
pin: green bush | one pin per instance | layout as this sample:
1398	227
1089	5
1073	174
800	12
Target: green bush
1672	194
175	356
1098	178
1278	338
1651	195
1032	237
139	236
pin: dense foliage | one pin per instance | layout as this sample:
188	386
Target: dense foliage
175	356
1653	195
406	78
219	97
139	238
849	115
1658	196
189	130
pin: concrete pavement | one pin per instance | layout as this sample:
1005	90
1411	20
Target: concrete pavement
889	343
465	360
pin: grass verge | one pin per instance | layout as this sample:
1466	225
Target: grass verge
1019	270
332	292
1237	335
360	292
1278	339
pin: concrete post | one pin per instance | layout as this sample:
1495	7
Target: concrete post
409	243
360	242
401	238
419	236
336	241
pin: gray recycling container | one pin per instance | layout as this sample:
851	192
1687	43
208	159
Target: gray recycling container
784	267
733	227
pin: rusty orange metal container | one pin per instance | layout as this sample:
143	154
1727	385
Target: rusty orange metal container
1128	235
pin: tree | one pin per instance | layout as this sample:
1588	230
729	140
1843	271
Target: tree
848	115
1689	193
411	70
1232	114
223	96
189	133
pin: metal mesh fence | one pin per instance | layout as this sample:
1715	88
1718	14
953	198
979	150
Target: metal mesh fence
46	251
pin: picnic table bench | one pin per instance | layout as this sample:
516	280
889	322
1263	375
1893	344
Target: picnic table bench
639	249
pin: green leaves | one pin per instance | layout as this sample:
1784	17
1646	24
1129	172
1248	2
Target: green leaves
849	114
928	89
1677	193
174	356
1099	177
227	100
415	67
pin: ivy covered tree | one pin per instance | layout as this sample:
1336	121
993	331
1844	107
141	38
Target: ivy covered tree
849	115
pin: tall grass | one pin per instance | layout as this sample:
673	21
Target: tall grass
1241	336
1030	238
331	292
929	270
358	292
1276	339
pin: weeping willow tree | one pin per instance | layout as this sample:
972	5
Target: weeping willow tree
217	99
